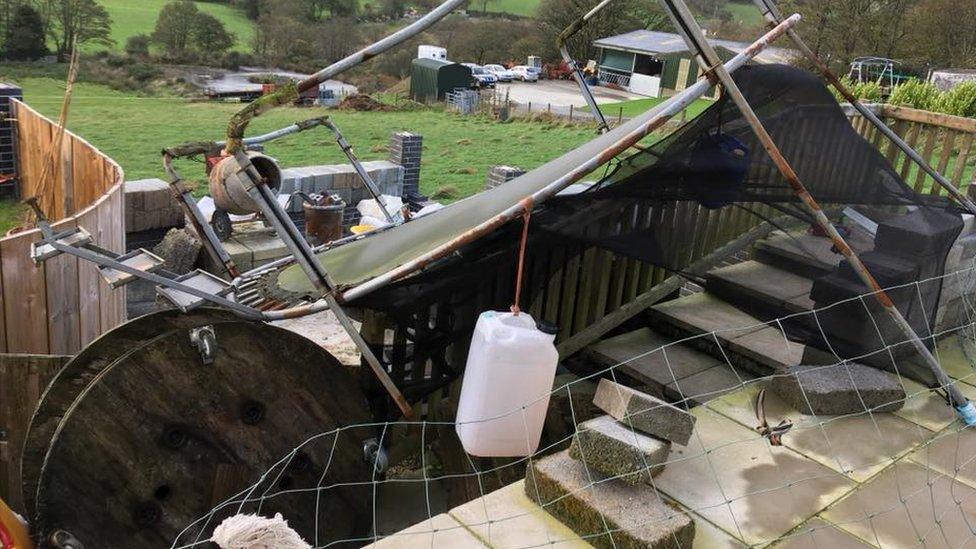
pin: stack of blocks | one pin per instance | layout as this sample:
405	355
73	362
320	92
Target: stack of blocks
342	180
149	204
406	150
499	175
602	486
8	144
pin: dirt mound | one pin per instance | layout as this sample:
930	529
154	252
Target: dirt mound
363	102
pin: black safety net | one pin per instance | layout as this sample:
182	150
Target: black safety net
641	209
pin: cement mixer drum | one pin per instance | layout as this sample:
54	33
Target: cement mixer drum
228	183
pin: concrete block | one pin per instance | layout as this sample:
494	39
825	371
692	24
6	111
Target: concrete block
180	248
644	412
606	512
615	450
839	389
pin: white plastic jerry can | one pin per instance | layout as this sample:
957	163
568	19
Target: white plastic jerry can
507	381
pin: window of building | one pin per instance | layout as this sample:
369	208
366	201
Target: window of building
647	65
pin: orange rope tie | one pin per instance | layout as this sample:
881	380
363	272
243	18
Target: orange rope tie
527	204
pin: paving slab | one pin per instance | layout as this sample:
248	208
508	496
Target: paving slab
858	446
926	407
769	347
644	412
650	357
762	282
616	450
805	253
936	512
839	389
704	386
819	534
709	536
702	313
606	512
733	478
439	531
951	452
507	518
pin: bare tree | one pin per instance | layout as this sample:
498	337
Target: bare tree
75	21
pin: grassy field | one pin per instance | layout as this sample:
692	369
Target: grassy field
746	12
458	150
131	17
525	8
638	106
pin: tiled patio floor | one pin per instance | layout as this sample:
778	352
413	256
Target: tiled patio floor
904	479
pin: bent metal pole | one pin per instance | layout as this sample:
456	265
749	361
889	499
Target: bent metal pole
773	15
667	110
709	60
561	40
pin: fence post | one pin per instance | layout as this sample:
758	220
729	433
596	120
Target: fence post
620	116
570	112
548	108
529	110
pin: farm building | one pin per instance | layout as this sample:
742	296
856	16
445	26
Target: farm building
431	78
658	64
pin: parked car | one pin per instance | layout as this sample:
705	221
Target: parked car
482	78
525	73
501	73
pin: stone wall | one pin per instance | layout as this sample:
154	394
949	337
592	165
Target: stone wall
406	149
959	285
342	179
149	205
499	175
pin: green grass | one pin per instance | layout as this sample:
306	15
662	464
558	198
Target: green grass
525	8
457	150
746	12
635	107
132	17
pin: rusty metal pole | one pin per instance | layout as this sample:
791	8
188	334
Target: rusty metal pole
772	14
561	40
710	61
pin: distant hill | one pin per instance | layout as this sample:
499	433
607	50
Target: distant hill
743	10
131	17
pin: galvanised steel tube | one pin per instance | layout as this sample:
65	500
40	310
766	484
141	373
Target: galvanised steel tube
772	14
708	59
669	109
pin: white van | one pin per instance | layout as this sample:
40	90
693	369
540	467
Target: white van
431	52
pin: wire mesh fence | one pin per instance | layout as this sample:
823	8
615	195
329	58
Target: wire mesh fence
896	472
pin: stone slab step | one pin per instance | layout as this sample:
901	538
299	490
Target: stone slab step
804	254
605	444
761	289
606	512
438	531
739	338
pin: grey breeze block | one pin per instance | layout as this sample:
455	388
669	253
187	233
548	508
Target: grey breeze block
627	516
614	449
645	413
839	389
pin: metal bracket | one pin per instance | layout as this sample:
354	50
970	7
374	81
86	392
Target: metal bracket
205	340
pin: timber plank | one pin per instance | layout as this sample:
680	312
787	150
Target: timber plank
25	302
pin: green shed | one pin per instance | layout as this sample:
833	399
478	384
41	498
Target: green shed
431	78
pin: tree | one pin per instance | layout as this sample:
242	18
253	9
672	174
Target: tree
78	22
209	34
555	15
137	45
942	34
24	40
175	27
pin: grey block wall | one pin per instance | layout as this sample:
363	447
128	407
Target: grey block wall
8	145
342	179
500	175
406	149
149	204
958	297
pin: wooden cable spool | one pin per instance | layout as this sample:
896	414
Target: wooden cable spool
154	438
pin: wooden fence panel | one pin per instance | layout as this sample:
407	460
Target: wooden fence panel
63	305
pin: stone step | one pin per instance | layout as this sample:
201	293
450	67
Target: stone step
740	340
606	512
805	254
763	290
681	373
616	450
840	389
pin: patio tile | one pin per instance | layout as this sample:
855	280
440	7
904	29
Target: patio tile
732	477
439	531
769	348
951	452
709	536
853	445
937	512
819	534
925	407
954	359
507	518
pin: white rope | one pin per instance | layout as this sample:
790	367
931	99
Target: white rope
257	532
